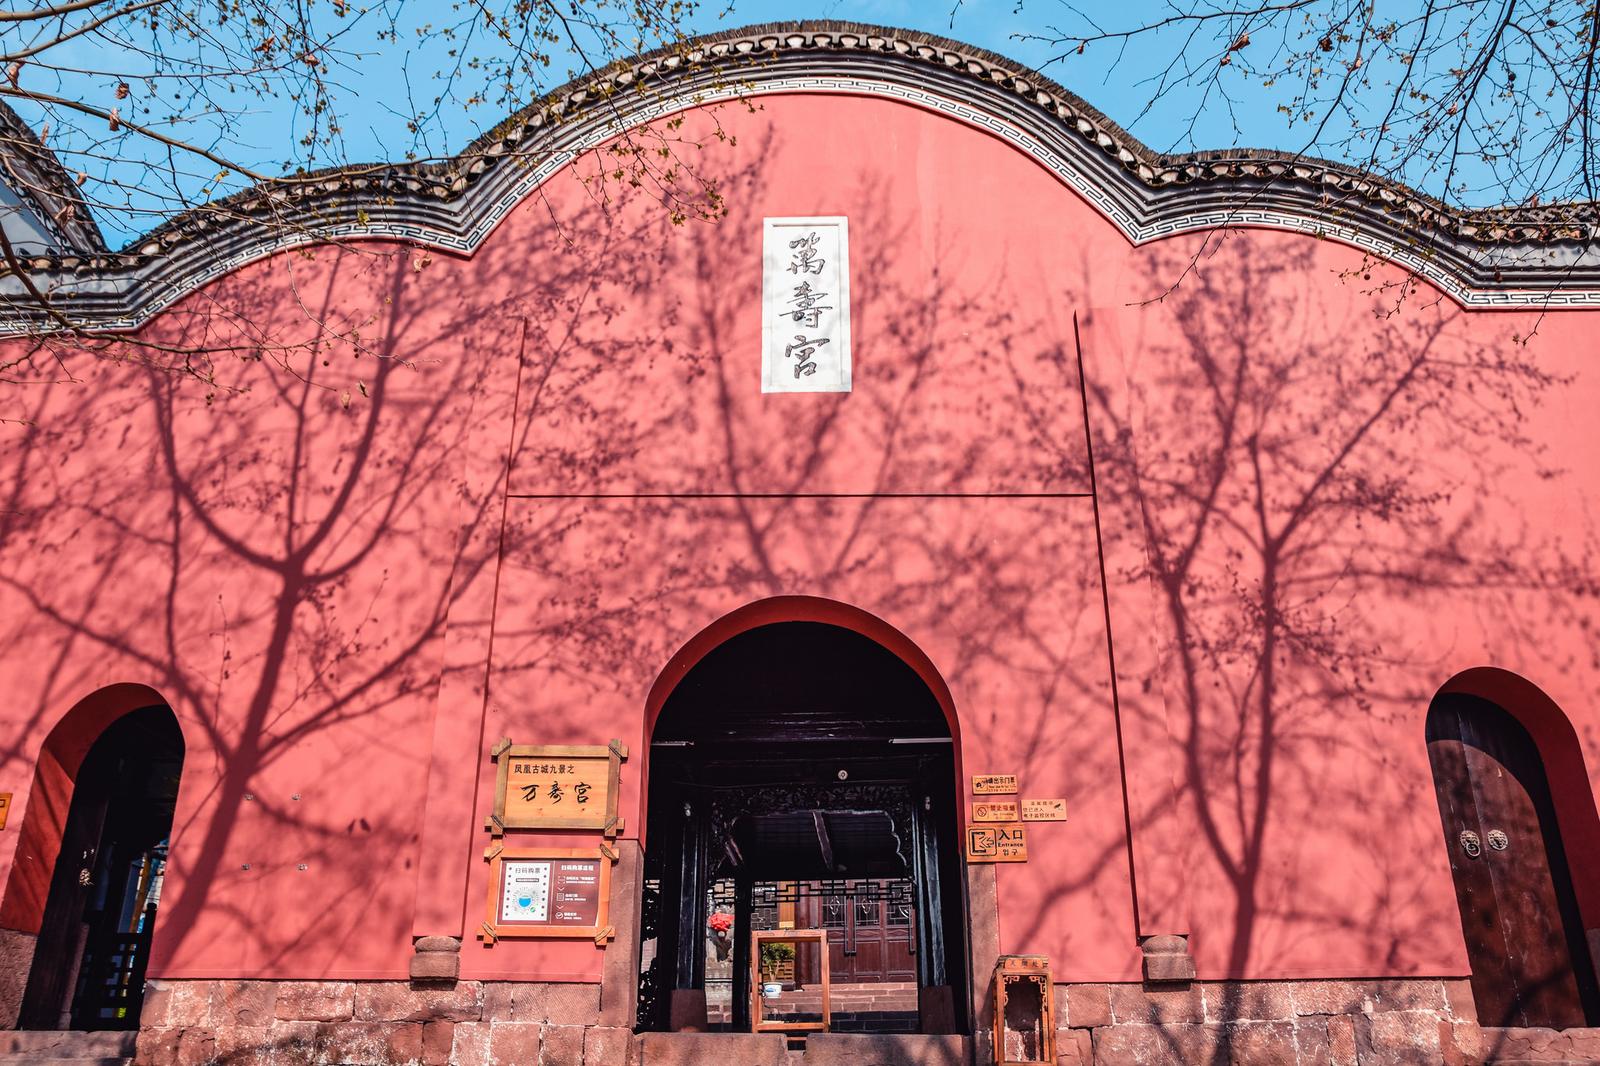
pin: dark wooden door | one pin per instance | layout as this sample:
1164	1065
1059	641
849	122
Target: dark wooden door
870	940
1530	965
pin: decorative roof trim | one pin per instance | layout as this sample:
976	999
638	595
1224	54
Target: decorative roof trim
1502	258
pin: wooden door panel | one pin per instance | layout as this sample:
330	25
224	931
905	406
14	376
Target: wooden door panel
1517	908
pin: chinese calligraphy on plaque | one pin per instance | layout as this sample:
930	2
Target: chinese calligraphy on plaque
805	305
556	787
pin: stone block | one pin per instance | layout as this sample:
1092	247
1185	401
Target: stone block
469	1044
248	1004
1538	1045
1400	995
292	1042
1461	1043
1341	1040
1248	1001
1140	1006
1311	1040
157	1047
707	1049
500	1000
686	1009
189	1003
514	1043
435	966
1458	995
561	1045
196	1047
907	1049
1328	997
239	1045
1403	1038
1074	1047
316	1001
571	1004
368	1043
1138	1045
1257	1044
607	1045
1087	1006
438	1040
157	999
393	1001
1167	959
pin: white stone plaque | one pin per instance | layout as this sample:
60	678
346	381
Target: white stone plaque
805	305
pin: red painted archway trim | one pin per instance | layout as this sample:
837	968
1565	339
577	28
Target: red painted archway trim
49	799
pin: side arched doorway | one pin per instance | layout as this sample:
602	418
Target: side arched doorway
802	776
1531	964
94	939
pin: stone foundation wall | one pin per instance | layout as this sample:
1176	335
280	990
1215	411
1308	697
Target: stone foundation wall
1307	1023
471	1023
367	1023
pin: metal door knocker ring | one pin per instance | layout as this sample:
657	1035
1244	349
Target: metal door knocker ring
1498	839
1470	844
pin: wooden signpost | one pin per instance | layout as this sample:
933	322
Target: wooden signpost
543	786
997	843
549	892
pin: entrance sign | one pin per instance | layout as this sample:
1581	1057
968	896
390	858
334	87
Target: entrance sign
994	784
995	811
997	843
549	892
556	787
1044	810
805	305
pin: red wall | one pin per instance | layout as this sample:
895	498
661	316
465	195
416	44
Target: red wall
1318	502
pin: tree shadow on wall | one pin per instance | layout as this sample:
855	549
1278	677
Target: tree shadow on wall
1319	501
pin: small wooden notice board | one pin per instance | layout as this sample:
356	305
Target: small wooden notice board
544	786
549	892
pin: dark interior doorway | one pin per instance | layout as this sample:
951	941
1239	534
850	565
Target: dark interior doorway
1530	962
94	942
802	776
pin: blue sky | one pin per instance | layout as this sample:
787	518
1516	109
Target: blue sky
378	85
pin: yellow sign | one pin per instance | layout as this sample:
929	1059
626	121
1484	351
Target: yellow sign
994	784
556	787
994	811
997	843
5	808
1050	810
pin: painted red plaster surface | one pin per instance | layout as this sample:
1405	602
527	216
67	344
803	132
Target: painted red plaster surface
1318	503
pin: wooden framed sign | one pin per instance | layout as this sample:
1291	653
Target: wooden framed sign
997	843
994	784
994	810
543	786
1044	810
549	892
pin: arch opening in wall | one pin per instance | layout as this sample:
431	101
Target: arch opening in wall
1517	828
802	776
95	841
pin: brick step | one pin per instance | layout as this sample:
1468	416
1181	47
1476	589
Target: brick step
56	1060
55	1046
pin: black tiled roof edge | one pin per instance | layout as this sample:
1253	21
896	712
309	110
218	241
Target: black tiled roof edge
1506	256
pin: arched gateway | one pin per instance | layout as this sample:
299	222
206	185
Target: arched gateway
802	777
